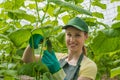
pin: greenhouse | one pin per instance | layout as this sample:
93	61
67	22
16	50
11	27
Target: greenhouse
72	31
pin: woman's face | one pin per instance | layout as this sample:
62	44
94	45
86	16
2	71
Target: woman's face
75	39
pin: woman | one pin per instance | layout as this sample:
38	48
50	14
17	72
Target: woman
76	66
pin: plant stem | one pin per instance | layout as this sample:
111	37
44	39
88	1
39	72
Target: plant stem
38	16
90	5
42	48
44	13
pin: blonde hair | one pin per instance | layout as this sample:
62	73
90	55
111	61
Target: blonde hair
84	50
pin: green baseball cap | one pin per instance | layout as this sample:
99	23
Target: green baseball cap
77	23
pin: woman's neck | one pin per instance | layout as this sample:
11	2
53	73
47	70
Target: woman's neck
73	57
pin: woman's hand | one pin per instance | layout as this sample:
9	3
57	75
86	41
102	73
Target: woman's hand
50	60
35	40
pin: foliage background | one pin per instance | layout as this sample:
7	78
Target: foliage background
21	18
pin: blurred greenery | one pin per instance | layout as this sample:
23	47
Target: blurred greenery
19	19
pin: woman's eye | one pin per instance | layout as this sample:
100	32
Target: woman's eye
77	35
68	34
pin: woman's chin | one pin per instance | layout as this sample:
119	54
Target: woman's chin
73	49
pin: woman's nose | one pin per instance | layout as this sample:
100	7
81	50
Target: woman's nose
72	38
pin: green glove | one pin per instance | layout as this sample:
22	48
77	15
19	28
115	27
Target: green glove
51	61
34	40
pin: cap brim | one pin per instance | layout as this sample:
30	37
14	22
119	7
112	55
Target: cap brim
66	26
79	28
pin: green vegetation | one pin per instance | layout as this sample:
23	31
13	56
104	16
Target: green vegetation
19	19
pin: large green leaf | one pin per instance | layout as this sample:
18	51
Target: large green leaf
18	3
98	14
115	72
9	72
116	25
79	1
18	37
114	1
44	31
32	6
4	28
65	19
97	3
8	5
20	14
50	10
118	9
90	21
37	0
103	24
47	31
70	6
76	1
116	62
31	69
117	17
59	43
3	41
118	13
106	41
14	4
3	37
61	37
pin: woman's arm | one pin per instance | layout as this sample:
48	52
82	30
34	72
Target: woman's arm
28	55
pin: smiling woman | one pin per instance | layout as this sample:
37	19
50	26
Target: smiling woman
20	18
75	65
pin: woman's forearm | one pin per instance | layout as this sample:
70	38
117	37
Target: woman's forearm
28	55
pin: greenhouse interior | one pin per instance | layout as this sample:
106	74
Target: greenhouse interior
36	35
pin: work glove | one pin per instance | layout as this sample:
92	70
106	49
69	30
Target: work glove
50	60
35	40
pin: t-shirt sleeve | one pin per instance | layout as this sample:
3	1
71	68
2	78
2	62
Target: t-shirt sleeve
88	70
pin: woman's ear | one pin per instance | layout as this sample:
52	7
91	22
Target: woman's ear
86	36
